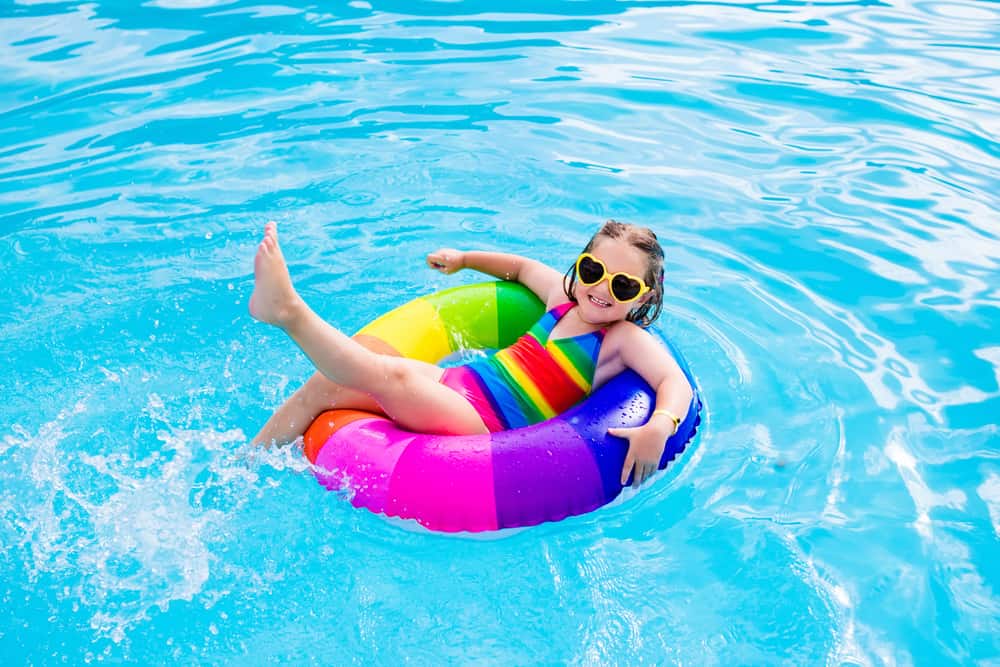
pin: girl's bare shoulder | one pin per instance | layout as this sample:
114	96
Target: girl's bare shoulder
622	335
625	330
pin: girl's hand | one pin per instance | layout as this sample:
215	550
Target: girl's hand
645	448
446	260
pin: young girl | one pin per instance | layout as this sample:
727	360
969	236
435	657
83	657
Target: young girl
602	302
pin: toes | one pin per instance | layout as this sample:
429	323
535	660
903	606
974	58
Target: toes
268	244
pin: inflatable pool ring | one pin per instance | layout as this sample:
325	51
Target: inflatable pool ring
565	466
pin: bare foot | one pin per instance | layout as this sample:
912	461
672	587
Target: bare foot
273	299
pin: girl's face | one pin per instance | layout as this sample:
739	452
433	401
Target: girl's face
596	305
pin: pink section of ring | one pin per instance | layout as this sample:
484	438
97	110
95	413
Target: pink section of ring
446	483
361	457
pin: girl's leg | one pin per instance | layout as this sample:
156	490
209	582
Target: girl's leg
409	392
296	414
318	394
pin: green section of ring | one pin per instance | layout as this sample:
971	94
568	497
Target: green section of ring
517	310
485	315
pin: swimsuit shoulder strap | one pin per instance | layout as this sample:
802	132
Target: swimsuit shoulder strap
552	317
543	328
559	311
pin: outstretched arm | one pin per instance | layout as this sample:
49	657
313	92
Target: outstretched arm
543	280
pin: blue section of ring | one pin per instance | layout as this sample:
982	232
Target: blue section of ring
625	401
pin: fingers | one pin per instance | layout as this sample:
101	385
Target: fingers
640	470
435	261
643	472
441	260
629	462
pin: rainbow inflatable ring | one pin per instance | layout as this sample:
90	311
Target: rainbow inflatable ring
565	466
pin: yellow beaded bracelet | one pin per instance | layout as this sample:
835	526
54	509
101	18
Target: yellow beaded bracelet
671	415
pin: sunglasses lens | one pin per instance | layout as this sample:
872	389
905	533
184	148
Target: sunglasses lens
624	288
590	271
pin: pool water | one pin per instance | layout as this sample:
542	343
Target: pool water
824	177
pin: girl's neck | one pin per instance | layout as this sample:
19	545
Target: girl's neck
573	324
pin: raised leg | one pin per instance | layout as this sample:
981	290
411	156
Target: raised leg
408	391
296	414
319	393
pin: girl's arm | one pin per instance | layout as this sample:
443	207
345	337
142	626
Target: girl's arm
638	350
543	280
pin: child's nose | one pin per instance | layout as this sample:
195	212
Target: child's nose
605	287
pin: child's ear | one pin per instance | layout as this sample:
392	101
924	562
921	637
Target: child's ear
640	302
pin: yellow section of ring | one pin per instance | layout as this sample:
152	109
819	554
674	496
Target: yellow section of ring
414	329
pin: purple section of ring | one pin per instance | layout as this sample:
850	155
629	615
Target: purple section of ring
542	473
620	402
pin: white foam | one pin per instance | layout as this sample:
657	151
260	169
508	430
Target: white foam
989	491
123	534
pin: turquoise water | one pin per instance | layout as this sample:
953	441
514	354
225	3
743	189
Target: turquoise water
825	176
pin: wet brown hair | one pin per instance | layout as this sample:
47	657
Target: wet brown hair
645	240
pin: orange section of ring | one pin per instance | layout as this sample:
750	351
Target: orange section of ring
326	425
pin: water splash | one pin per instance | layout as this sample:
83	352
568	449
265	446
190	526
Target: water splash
122	535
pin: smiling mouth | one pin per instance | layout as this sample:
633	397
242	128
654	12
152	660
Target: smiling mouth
598	302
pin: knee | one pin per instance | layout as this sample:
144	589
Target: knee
398	375
317	390
319	384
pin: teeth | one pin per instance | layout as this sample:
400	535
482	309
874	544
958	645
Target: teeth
594	299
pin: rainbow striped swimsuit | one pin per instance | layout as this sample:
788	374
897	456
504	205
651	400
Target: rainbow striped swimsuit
532	380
